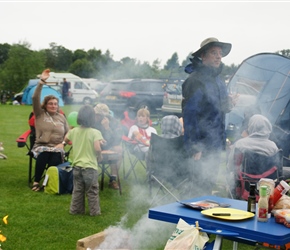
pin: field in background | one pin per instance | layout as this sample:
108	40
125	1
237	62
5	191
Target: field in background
41	221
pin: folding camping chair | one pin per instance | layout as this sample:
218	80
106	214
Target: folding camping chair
109	157
27	140
251	167
135	158
167	165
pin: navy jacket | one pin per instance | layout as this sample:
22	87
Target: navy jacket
204	105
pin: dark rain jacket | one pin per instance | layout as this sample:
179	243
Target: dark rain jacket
204	105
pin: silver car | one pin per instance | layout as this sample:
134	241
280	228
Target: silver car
172	97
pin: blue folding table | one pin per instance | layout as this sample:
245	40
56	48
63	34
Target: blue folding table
248	230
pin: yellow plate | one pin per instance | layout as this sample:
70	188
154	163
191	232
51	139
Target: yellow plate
234	214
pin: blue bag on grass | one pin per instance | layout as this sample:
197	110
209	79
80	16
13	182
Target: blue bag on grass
59	179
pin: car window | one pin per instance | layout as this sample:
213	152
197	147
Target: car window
117	86
173	88
139	86
153	86
80	85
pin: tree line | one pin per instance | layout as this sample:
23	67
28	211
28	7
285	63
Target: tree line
18	64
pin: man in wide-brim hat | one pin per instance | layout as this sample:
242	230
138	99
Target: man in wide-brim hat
213	42
204	105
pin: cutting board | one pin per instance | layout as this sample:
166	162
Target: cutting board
235	214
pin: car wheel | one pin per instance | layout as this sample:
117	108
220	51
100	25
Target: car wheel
87	101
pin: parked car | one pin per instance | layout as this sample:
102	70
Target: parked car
133	94
172	98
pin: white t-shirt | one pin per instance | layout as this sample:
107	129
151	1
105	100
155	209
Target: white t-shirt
148	131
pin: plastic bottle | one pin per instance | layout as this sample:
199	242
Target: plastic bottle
270	204
263	205
281	189
252	199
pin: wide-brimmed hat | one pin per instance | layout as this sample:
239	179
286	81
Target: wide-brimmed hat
212	41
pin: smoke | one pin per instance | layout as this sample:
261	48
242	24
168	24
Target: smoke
145	233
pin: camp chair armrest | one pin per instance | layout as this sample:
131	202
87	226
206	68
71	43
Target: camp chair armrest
21	140
129	140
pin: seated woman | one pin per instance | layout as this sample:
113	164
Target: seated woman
51	127
171	127
142	131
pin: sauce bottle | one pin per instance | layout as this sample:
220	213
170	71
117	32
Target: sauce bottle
252	199
281	189
263	205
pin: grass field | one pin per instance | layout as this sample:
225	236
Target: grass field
42	221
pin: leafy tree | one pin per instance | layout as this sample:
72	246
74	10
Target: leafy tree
228	71
60	57
144	70
97	60
22	64
4	50
82	68
172	63
156	65
284	52
94	55
107	67
79	54
186	61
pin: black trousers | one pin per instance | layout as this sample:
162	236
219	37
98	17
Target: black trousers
46	159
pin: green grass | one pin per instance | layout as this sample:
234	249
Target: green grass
42	221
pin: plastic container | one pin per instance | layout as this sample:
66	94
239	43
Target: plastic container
281	189
269	183
282	216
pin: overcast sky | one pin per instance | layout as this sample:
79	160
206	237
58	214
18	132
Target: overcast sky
148	30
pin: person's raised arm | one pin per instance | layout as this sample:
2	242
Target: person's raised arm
36	96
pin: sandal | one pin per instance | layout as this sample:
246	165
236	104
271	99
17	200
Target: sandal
36	187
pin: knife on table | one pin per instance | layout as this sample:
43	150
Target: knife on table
227	214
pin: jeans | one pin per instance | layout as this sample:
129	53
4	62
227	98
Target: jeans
85	182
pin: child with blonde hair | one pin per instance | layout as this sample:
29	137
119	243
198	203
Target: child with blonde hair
142	130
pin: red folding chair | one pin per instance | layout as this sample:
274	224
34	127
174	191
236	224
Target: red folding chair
251	167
